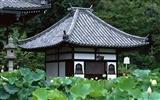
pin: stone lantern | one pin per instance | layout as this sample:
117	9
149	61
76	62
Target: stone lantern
10	47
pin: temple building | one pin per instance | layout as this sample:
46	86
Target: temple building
81	44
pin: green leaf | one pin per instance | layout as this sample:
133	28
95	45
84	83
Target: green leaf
33	88
80	90
28	80
136	93
141	73
107	84
11	89
126	84
67	81
12	80
40	94
19	84
152	96
36	76
24	93
96	94
3	94
119	95
40	71
56	95
24	71
97	91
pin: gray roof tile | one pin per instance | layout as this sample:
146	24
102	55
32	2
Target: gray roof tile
19	4
85	29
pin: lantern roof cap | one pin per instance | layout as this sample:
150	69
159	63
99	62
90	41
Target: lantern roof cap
10	45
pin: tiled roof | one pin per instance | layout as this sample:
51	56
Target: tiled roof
20	4
82	28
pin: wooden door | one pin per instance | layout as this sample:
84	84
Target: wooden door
69	68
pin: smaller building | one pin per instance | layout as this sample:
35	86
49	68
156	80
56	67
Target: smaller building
14	9
81	44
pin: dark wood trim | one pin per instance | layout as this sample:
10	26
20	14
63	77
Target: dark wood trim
45	66
84	52
72	53
58	62
116	63
79	60
95	52
69	68
80	52
84	69
94	60
59	53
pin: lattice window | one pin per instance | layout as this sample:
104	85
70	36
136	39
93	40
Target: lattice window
111	69
78	69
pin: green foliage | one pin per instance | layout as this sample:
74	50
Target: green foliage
40	94
19	84
3	94
87	88
24	59
138	18
132	87
124	71
141	73
43	94
11	89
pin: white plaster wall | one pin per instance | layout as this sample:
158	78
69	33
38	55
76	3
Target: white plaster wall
84	56
65	56
109	56
51	70
111	76
79	75
62	71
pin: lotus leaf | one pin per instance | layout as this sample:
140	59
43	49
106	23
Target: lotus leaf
24	71
3	94
40	94
11	89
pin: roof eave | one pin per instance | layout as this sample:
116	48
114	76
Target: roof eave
42	49
28	8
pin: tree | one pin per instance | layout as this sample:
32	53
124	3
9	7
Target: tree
137	18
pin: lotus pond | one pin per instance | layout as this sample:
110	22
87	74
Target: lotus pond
24	84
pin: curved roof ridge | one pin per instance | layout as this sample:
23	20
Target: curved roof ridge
105	23
43	32
73	22
80	8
